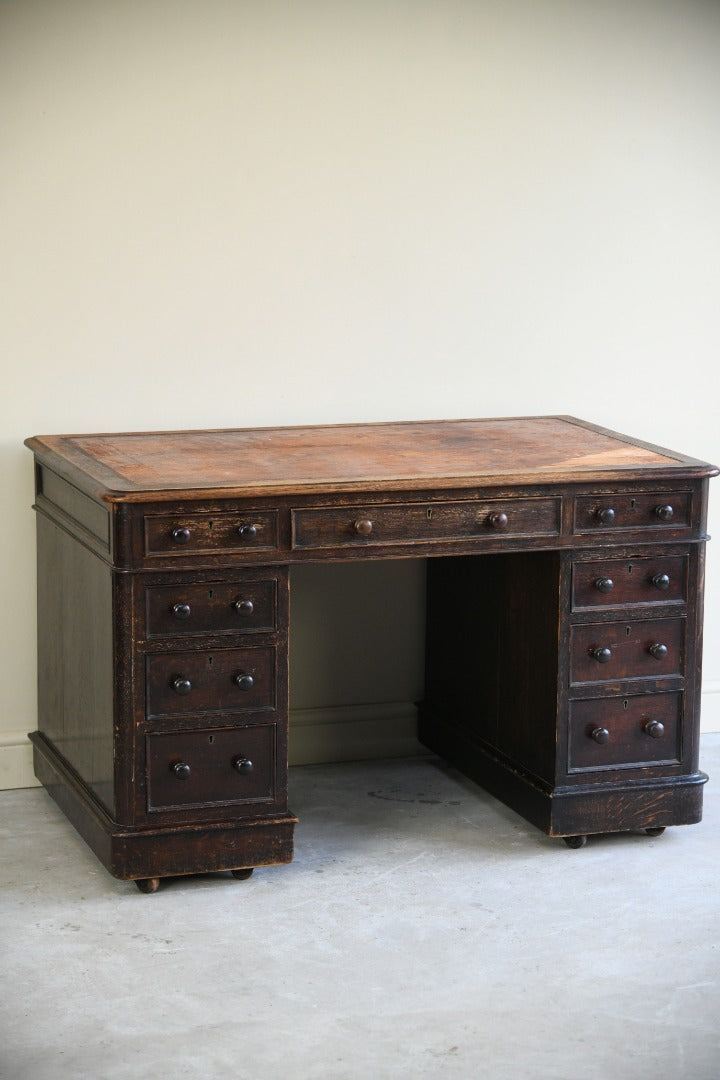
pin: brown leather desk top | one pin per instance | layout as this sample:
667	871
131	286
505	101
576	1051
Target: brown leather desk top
131	467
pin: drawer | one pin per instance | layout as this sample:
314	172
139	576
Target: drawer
609	733
642	510
229	680
650	648
363	526
215	607
178	534
200	768
660	579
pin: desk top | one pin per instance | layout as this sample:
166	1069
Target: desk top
134	467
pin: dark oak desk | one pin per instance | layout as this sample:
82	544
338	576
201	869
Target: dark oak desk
564	622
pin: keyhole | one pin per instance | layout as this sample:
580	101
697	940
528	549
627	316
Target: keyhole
210	594
627	631
210	524
429	513
211	738
210	660
625	704
632	504
630	569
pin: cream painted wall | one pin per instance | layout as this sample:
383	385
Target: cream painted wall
239	213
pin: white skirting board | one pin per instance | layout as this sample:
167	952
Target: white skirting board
16	766
336	733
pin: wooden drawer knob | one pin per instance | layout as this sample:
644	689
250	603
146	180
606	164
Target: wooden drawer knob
604	584
247	532
658	650
243	765
181	685
181	535
664	513
602	654
244	681
600	735
606	515
244	607
180	770
498	521
654	729
181	610
363	526
661	581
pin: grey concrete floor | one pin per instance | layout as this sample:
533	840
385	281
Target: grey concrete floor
423	931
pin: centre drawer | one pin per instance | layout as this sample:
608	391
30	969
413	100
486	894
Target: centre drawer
614	732
220	680
224	765
362	526
601	652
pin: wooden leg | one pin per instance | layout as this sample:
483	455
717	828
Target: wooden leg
243	873
575	841
658	831
148	884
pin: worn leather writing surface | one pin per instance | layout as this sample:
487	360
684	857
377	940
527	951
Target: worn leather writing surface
343	457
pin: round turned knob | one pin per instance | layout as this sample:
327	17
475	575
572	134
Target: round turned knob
243	764
244	682
665	513
181	610
605	584
181	535
363	526
498	521
602	654
654	729
247	532
181	685
658	651
661	581
180	769
600	735
244	607
605	515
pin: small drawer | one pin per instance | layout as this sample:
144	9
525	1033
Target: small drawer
632	511
365	526
607	652
217	607
611	583
612	733
204	768
224	680
178	534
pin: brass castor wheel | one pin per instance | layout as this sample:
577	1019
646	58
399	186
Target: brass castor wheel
658	831
243	874
575	841
148	884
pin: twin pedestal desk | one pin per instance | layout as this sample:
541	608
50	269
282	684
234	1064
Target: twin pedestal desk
564	623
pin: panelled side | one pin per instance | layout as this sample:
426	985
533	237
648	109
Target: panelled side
75	657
